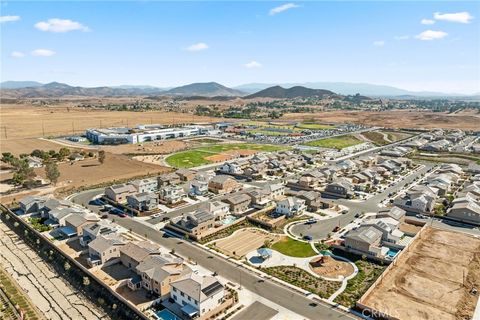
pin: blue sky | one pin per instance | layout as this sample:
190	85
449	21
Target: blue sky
172	43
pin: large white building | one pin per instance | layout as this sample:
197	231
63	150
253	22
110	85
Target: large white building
142	133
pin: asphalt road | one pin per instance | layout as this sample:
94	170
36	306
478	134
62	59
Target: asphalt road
268	289
256	311
321	229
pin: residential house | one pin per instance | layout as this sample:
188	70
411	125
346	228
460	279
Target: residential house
197	295
290	207
239	203
195	223
171	194
231	168
276	191
119	192
198	188
32	204
186	174
101	228
365	240
260	198
79	221
145	185
393	212
158	272
132	253
104	249
144	201
222	184
34	162
168	179
467	212
218	208
420	199
341	188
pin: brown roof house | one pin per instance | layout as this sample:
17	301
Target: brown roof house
223	184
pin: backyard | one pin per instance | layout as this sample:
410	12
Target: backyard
339	142
304	280
293	248
216	153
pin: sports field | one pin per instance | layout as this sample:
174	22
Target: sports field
244	241
216	153
339	142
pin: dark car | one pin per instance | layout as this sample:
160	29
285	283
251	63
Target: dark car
308	238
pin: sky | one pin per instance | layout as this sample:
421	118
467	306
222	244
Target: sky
420	46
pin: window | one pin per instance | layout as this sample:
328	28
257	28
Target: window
182	294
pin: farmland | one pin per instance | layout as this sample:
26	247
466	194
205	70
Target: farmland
216	153
339	142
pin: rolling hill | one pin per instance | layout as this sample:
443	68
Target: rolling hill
278	92
205	89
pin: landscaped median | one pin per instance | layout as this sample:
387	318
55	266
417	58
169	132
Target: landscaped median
217	153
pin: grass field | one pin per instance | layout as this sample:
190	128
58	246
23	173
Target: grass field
293	248
314	126
381	138
198	157
339	142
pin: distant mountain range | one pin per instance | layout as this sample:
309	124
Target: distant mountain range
33	89
347	88
278	92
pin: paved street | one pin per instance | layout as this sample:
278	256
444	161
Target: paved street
256	311
321	229
268	289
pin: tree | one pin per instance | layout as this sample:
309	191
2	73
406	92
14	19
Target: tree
101	156
23	171
52	172
63	152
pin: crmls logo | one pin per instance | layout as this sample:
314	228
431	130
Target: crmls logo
385	314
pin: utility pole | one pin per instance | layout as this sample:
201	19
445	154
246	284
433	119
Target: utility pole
5	130
73	128
43	128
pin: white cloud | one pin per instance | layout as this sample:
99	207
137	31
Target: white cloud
198	47
282	8
460	17
60	25
431	35
43	53
427	21
17	54
403	37
379	43
9	18
253	64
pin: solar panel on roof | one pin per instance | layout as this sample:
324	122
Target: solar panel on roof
214	287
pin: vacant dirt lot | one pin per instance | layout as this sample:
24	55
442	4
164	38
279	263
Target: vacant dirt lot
91	172
432	280
244	241
466	120
332	268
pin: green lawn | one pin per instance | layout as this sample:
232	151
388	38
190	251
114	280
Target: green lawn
196	157
269	133
293	248
315	126
339	142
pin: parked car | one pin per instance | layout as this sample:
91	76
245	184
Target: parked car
308	238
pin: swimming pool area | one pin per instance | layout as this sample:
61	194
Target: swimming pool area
392	252
165	314
228	220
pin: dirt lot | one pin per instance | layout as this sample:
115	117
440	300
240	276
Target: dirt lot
91	172
332	268
427	281
244	241
466	120
22	122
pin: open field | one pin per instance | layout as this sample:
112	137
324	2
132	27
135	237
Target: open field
244	241
90	172
339	142
315	126
216	153
22	122
293	248
381	138
416	119
433	279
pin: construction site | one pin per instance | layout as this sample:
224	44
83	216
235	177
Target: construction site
436	277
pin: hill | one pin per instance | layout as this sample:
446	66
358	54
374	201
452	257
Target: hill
278	92
205	89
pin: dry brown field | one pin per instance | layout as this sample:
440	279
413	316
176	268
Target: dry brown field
415	119
432	280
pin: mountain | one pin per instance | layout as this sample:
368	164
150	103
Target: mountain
278	92
347	88
19	84
205	89
57	89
